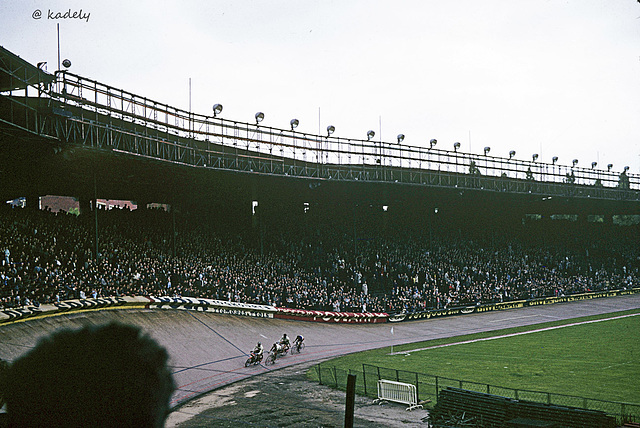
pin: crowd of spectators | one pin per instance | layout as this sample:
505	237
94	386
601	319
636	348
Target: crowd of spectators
50	257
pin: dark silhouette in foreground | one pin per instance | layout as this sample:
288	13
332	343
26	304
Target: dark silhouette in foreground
110	375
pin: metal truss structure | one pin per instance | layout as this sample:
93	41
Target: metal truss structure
75	111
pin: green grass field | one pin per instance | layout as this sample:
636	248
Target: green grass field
596	360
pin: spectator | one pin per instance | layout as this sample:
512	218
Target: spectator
111	375
402	271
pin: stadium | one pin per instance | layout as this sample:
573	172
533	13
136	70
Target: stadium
242	232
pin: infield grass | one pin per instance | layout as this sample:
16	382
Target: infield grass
597	360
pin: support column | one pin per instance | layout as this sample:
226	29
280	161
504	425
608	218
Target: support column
142	205
33	202
85	206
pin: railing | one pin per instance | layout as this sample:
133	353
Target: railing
398	392
428	387
84	111
328	150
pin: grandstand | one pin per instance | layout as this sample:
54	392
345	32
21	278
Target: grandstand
283	224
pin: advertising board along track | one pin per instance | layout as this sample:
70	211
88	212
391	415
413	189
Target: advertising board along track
209	340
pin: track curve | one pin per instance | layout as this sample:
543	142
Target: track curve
208	350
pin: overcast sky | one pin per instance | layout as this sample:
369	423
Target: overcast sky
558	78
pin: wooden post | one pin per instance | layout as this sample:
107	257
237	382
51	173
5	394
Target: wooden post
364	378
350	404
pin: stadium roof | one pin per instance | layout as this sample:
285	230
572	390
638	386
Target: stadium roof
12	65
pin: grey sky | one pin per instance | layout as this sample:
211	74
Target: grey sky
558	78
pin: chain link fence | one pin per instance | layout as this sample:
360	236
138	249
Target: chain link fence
428	387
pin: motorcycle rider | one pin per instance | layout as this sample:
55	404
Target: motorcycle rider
258	352
276	349
284	341
297	342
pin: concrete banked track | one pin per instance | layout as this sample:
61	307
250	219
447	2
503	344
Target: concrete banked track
208	350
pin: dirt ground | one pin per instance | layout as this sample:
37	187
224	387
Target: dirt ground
285	398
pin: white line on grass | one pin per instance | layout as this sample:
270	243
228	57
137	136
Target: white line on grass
514	334
616	365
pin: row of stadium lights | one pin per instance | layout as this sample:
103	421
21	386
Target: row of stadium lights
259	116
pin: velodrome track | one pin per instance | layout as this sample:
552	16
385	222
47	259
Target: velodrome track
208	350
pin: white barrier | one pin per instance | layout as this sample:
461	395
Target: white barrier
210	305
399	392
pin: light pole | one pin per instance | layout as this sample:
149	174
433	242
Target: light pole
330	130
456	146
400	138
294	124
259	116
370	135
487	149
512	153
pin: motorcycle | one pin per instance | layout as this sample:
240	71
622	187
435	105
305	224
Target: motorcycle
284	349
271	358
253	359
297	347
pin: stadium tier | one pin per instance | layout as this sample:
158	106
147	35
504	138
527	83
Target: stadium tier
271	216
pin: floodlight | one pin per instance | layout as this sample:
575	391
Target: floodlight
370	134
575	162
294	123
456	146
609	167
594	164
217	108
400	138
66	63
433	142
535	156
512	153
626	168
487	150
554	160
259	117
330	130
